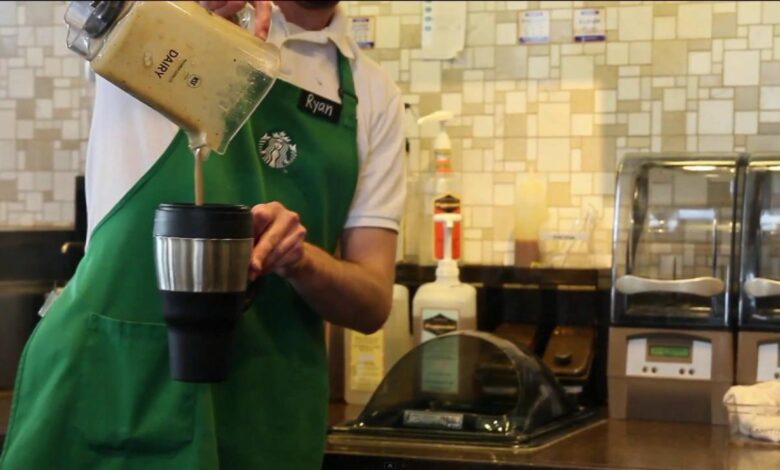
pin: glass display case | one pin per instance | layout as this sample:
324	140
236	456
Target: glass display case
760	266
468	387
674	245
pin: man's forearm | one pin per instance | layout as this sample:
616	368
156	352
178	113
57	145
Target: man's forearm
343	292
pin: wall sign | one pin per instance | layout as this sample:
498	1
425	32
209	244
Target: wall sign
363	31
443	29
534	26
589	24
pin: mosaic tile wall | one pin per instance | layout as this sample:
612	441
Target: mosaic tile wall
672	76
45	107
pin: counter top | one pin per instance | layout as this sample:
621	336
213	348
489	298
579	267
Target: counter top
605	443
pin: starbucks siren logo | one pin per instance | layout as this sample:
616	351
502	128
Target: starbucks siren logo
277	149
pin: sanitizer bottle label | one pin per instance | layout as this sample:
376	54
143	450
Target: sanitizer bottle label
367	360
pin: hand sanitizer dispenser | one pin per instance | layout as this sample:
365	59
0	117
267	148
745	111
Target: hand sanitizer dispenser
446	304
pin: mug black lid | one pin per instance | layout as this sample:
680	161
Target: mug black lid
206	221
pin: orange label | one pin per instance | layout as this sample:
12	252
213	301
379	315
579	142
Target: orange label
447	204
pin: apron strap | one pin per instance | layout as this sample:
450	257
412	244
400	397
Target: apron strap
346	83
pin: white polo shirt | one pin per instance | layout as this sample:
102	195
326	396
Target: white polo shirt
127	137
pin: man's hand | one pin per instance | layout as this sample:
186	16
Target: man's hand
279	239
354	291
228	8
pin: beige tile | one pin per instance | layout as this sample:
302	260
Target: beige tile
554	119
629	106
665	27
429	102
639	124
760	37
664	9
740	68
577	73
605	77
770	97
515	125
515	102
612	130
553	155
670	58
694	20
711	81
673	144
628	89
538	67
746	98
700	45
598	153
605	101
748	12
746	122
539	50
388	29
640	52
638	142
582	124
770	73
581	101
635	23
506	34
8	14
8	190
617	53
716	117
673	123
558	194
699	63
410	36
480	29
719	143
724	25
769	128
515	149
771	11
760	143
425	76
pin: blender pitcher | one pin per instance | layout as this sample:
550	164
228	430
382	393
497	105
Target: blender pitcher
198	69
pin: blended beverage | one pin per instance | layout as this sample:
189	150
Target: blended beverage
198	69
200	155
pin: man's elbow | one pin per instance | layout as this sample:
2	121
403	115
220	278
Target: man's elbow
375	318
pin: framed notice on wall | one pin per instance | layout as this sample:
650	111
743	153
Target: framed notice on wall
534	26
589	25
363	31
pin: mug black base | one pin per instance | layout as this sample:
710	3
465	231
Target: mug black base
201	326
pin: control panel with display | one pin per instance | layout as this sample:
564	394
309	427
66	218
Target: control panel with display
669	356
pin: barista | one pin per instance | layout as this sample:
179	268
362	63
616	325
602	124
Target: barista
94	389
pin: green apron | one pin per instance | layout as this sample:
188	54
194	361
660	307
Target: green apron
93	387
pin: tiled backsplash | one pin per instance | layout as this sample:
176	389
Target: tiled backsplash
45	107
671	76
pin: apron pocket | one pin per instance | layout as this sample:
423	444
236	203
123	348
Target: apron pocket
127	399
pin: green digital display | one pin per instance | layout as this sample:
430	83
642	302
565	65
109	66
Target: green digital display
670	351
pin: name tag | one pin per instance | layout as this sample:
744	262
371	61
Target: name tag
320	107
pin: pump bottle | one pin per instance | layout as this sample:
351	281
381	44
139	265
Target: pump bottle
446	304
442	195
